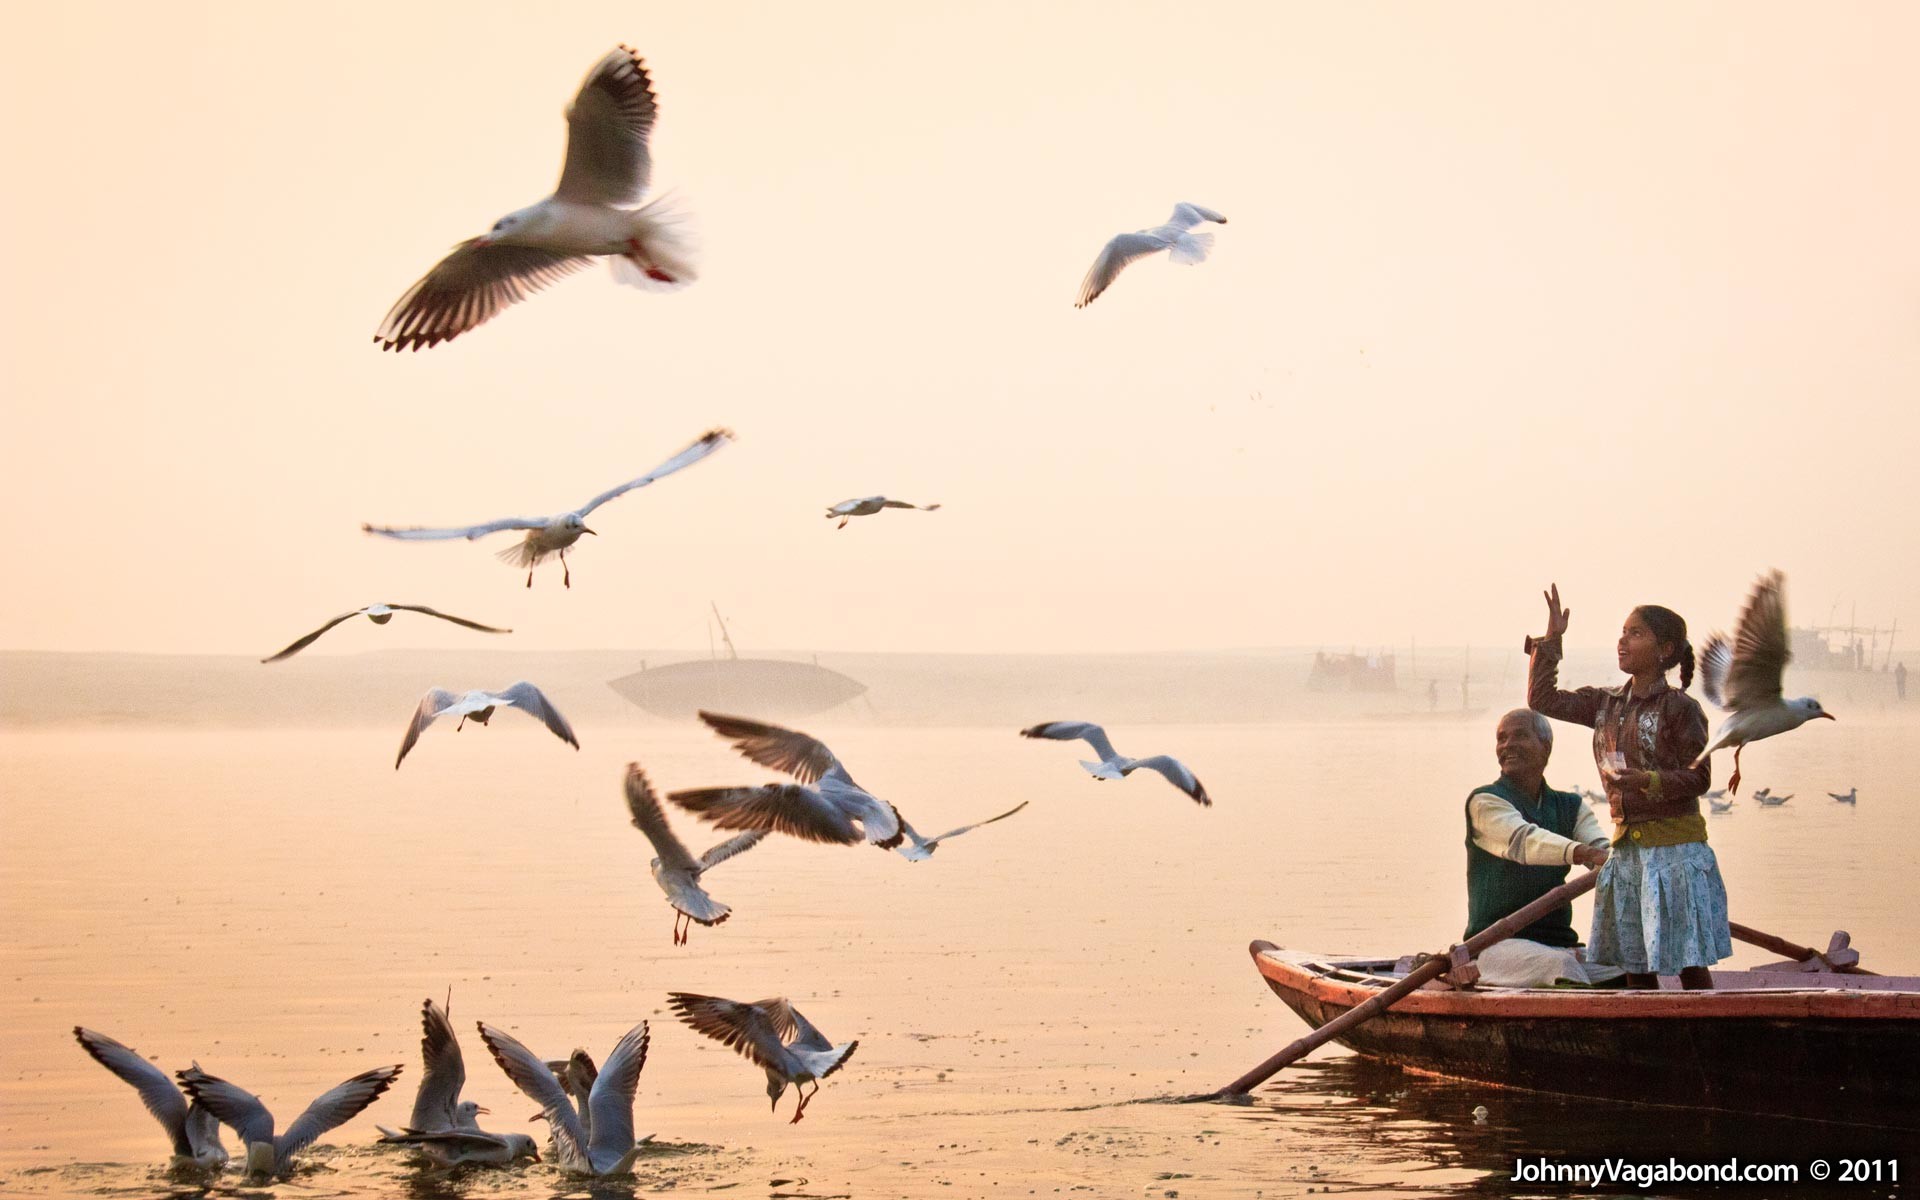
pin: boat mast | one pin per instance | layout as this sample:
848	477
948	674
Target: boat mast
724	635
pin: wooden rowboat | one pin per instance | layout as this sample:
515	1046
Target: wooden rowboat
1824	1045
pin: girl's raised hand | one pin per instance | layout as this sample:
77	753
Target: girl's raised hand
1556	616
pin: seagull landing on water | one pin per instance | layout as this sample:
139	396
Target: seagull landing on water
675	869
825	806
773	1035
1850	796
478	706
242	1112
866	506
443	1127
1744	676
609	1148
1113	764
587	216
193	1129
1175	237
379	614
555	534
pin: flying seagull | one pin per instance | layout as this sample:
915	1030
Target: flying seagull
194	1130
1175	237
825	806
1744	676
443	1127
589	215
379	614
555	534
610	1148
919	849
866	506
772	1034
242	1112
1114	765
478	706
676	870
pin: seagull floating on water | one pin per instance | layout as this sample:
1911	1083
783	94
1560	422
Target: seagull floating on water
825	806
1745	676
1850	796
556	534
1718	805
443	1127
1113	764
609	1148
674	868
589	215
866	506
478	706
193	1128
241	1111
1768	799
773	1035
379	614
1175	237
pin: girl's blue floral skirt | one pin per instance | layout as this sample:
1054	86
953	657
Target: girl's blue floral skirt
1657	909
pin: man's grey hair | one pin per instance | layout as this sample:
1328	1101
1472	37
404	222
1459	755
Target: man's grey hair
1542	728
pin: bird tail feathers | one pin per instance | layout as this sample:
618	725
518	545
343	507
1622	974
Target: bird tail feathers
664	260
1190	248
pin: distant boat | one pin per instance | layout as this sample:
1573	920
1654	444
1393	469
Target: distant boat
760	687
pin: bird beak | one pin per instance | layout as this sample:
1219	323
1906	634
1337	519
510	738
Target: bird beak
1829	716
539	1116
584	529
487	1112
536	1156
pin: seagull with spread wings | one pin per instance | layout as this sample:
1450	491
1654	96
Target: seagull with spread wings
826	805
379	614
242	1112
609	1148
866	506
192	1127
1744	676
674	867
477	706
918	849
1113	764
443	1127
1176	237
556	534
773	1036
589	215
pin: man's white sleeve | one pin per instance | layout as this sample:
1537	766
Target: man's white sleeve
1499	829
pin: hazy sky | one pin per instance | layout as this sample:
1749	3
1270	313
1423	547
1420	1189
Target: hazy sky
1627	297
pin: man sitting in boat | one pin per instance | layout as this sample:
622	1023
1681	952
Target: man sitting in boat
1522	837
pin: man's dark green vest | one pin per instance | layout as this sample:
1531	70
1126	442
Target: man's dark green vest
1498	887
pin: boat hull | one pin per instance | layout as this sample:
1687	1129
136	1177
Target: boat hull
1768	1046
765	687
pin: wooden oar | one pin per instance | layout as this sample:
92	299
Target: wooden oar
1432	969
1838	957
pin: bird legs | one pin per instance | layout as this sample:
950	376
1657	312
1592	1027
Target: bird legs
566	576
1733	785
682	926
800	1110
640	259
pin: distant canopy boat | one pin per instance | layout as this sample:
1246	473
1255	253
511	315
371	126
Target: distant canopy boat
763	687
1351	673
1795	1039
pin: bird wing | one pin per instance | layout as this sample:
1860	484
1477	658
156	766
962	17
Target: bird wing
650	820
611	1101
1113	258
1177	774
1186	216
468	288
607	127
237	1108
297	646
785	750
738	844
744	1028
160	1094
435	702
424	533
1716	657
335	1108
1760	648
805	1036
954	833
707	443
444	1072
1067	731
536	1080
534	702
434	612
904	504
785	808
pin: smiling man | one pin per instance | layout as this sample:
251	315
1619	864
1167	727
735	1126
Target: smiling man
1522	837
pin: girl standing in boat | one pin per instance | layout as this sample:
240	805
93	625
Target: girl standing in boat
1659	907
